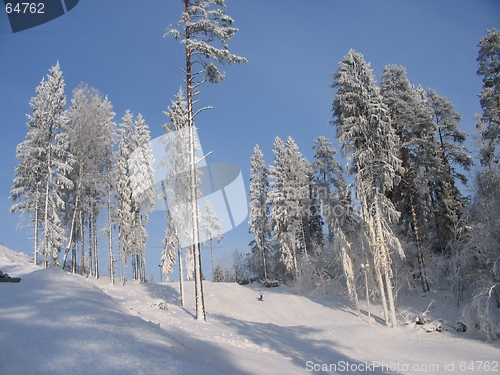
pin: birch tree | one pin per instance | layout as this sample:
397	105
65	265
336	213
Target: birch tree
92	137
202	23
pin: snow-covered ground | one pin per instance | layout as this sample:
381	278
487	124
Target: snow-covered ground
53	322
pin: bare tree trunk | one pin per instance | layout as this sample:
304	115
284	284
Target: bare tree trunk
46	214
181	275
110	242
200	310
96	249
35	234
212	254
82	241
73	220
91	243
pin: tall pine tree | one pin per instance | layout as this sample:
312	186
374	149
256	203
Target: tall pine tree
203	22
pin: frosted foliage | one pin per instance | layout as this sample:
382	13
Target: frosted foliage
289	196
259	212
210	225
177	183
366	135
203	23
170	246
489	124
141	167
44	165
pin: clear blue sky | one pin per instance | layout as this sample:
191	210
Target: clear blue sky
117	46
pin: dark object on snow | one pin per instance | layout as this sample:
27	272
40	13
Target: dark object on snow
270	283
461	327
244	282
419	321
5	278
261	295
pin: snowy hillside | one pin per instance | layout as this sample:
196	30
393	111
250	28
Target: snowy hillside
53	322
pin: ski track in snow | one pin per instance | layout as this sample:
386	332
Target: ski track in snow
54	322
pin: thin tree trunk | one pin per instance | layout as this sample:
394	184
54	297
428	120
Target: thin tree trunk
390	294
200	310
73	258
35	234
110	243
181	275
264	259
96	249
91	244
82	241
46	214
382	292
73	220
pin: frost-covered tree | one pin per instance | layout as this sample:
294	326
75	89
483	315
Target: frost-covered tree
203	24
45	162
177	181
365	133
475	260
92	137
412	124
330	187
171	246
489	124
140	166
289	198
448	202
210	227
124	218
258	221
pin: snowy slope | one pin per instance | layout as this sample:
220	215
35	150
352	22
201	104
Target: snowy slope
53	322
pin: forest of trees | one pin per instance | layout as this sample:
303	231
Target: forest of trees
394	219
402	222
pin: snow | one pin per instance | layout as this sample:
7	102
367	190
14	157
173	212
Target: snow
54	322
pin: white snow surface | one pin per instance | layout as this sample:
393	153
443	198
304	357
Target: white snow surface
54	322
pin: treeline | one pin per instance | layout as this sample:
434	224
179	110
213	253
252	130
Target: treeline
80	174
403	222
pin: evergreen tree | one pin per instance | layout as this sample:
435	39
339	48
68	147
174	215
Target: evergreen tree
448	201
42	174
141	183
289	197
489	124
331	189
203	22
259	213
125	210
366	135
171	245
210	227
412	124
